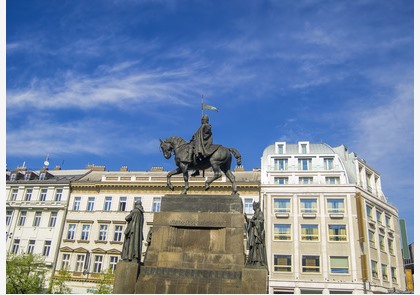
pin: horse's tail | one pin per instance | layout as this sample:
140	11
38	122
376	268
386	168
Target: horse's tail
237	155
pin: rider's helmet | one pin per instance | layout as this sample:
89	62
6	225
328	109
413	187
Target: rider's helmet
204	119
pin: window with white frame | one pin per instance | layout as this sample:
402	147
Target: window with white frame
31	246
369	212
280	164
335	206
337	233
58	194
15	248
13	177
379	216
372	243
85	232
9	214
391	246
310	263
14	194
122	204
28	176
53	219
280	148
328	163
28	194
303	148
388	221
80	261
76	203
281	205
281	180
308	205
47	247
382	243
71	231
103	229
282	232
42	176
37	218
282	263
309	232
22	218
97	265
332	180
65	261
374	266
90	204
43	194
305	164
108	203
113	260
394	275
156	204
118	233
306	180
384	269
248	208
339	264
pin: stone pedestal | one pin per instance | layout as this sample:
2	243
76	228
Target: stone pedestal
254	280
125	277
197	247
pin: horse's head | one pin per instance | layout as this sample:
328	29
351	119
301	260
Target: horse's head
166	148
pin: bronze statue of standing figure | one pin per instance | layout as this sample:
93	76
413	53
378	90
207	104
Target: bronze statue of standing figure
133	234
257	255
200	154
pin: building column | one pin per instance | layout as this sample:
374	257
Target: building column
325	291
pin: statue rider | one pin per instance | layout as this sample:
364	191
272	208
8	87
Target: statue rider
201	142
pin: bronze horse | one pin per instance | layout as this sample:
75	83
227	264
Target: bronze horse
219	161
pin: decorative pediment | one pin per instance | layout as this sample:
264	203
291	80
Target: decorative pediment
80	250
66	249
114	251
99	250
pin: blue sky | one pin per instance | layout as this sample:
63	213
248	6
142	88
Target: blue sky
99	82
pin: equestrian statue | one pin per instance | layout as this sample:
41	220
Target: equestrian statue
199	154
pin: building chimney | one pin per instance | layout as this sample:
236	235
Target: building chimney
156	169
95	168
239	168
57	167
124	169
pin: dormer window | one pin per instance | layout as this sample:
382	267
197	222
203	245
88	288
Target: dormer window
280	147
42	176
27	176
304	147
13	177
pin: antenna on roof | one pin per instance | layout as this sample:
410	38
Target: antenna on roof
24	164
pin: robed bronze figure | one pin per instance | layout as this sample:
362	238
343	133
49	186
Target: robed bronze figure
257	255
133	234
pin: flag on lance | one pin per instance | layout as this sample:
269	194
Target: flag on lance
209	107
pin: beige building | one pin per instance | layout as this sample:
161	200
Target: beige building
94	227
329	227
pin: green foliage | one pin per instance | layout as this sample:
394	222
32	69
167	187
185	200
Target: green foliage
58	283
25	274
106	282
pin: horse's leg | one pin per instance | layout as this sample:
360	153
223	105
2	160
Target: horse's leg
231	177
184	169
168	177
217	174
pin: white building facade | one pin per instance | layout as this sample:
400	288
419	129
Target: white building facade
329	228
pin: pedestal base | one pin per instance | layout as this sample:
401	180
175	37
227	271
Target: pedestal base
125	277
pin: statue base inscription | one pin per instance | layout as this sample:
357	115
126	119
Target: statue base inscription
197	247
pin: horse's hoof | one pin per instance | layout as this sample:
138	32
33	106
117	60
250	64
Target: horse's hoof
206	187
171	187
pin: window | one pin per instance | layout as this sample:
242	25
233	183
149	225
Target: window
280	164
80	261
309	232
85	232
379	216
391	246
337	232
22	218
13	177
382	243
42	176
97	266
282	232
37	218
248	208
394	275
108	203
374	266
9	214
335	206
283	263
113	260
47	247
303	148
281	205
156	204
310	263
76	204
71	231
280	148
384	269
43	194
14	195
328	163
118	233
281	180
332	180
90	204
65	261
388	221
308	206
372	239
27	176
31	246
28	194
339	264
122	204
53	219
102	232
305	164
369	211
58	194
306	180
15	248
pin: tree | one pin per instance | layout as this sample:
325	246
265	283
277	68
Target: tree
105	284
58	283
25	274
